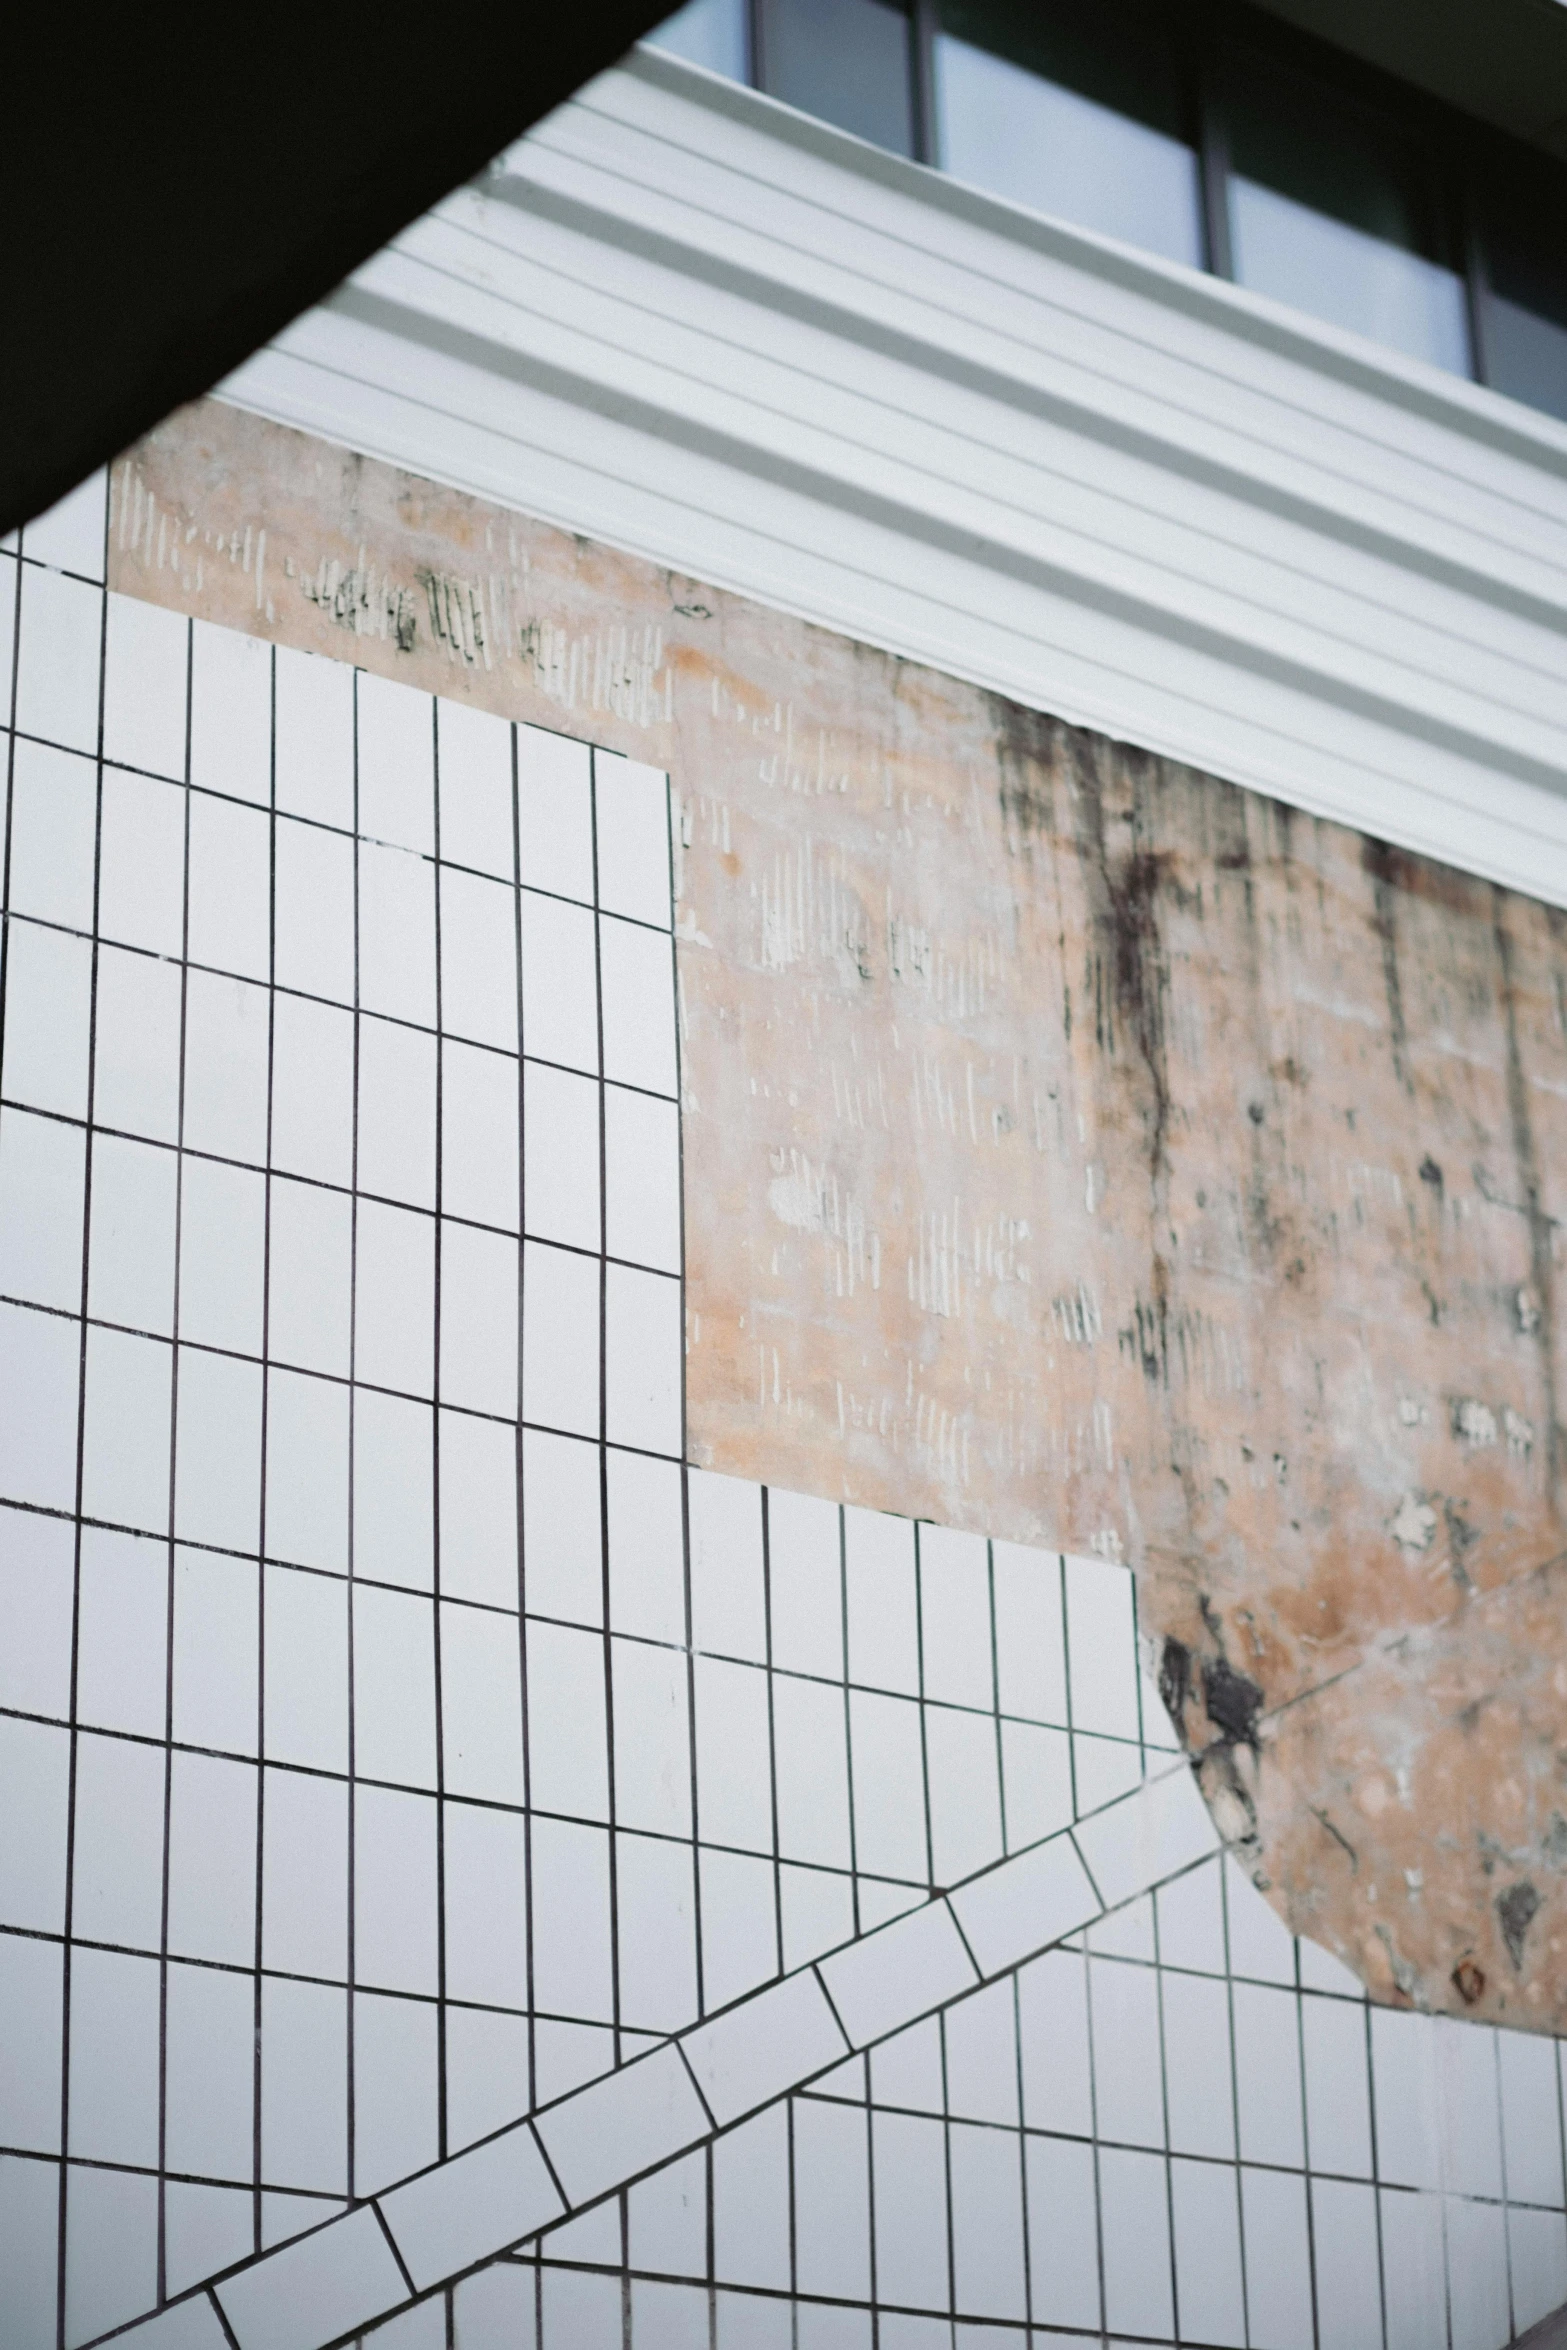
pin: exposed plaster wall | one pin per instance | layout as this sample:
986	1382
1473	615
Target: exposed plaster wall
1077	1148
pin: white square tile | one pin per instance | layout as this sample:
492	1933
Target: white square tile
572	1969
642	1179
1016	1909
70	535
1321	1971
980	2035
396	2089
187	2325
1036	1776
141	868
1197	2069
1348	2270
1338	2108
396	934
882	1601
1102	1641
646	1547
632	807
485	1881
560	1176
474	2204
40	1359
478	1510
125	1446
480	1130
1267	2075
964	1777
54	796
42	1188
394	1297
479	1320
1030	1632
563	1548
734	1777
889	1786
146	667
1063	2233
886	1980
48	1000
805	1583
314	916
1134	2218
955	1625
1146	1837
1128	2093
728	1609
1537	2264
555	813
567	1737
559	983
396	764
230	918
481	1699
59	659
1103	1769
772	2042
1414	2278
1278	2267
644	1341
478	959
560	1339
816	1908
1408	2101
637	978
393	1509
623	2124
475	751
315	737
319	2286
1207	2252
1531	2119
231	713
738	1907
1261	1945
812	1775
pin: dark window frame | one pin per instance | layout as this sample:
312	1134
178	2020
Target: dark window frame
1462	160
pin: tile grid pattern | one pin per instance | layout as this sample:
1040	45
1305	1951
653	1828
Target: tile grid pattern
808	1748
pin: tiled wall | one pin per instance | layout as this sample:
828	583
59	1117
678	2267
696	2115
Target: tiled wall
352	1810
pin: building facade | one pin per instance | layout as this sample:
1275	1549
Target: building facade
782	1032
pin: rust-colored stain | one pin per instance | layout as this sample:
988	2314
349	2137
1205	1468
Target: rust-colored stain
1078	1148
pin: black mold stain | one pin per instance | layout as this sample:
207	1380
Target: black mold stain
1233	1701
1381	862
1516	1909
1175	1678
1541	1251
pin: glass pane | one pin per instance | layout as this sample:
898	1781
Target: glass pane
845	60
707	32
1073	112
1526	306
1004	129
1332	213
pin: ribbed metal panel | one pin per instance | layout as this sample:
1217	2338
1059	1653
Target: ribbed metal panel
682	319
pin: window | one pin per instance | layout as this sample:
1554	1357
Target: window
849	61
714	33
1334	212
1524	303
1072	112
1208	133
